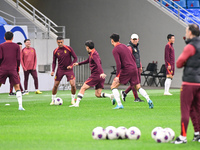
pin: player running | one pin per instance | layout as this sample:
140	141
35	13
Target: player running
97	77
126	71
64	55
9	62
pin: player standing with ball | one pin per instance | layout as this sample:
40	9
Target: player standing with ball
64	55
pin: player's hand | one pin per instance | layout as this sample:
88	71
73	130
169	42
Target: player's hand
75	64
141	70
52	73
169	67
116	79
69	67
103	75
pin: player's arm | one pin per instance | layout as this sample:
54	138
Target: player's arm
22	60
1	55
53	64
188	51
35	60
74	58
98	63
18	58
167	58
118	63
84	62
130	48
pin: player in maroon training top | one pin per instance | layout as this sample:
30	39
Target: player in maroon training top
190	89
9	62
126	71
169	63
29	64
64	56
97	77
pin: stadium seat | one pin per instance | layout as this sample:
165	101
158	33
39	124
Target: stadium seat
182	3
193	4
166	4
150	71
112	73
161	75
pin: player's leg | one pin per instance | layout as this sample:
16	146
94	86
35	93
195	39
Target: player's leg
35	78
80	95
114	86
168	82
26	76
54	91
19	96
124	93
144	94
11	90
186	99
73	90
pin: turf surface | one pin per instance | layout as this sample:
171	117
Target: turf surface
43	126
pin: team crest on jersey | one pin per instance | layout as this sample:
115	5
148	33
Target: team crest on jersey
135	50
65	51
31	50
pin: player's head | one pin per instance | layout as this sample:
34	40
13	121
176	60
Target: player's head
27	43
89	45
114	38
20	45
60	41
134	39
171	38
8	35
192	31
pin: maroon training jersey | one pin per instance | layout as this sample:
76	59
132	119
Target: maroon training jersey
125	61
95	62
64	56
9	56
169	56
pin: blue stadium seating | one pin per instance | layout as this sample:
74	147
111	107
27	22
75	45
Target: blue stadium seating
182	3
193	4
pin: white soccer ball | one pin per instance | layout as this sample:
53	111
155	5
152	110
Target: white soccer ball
98	133
171	133
122	132
111	133
58	101
162	136
133	133
155	131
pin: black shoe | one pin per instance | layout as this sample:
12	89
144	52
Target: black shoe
179	141
123	95
23	92
196	138
12	94
138	100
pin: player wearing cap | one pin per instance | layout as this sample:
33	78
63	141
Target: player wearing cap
64	55
133	47
29	64
97	77
127	71
169	62
9	62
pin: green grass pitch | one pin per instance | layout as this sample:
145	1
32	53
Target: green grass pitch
47	127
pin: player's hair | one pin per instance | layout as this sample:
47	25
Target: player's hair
90	44
115	37
169	36
59	38
194	29
26	40
8	35
19	43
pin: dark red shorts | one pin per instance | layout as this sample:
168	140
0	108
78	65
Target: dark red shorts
170	72
11	74
61	73
129	76
95	80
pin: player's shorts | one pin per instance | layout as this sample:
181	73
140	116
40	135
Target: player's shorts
129	76
95	80
60	73
170	72
11	74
